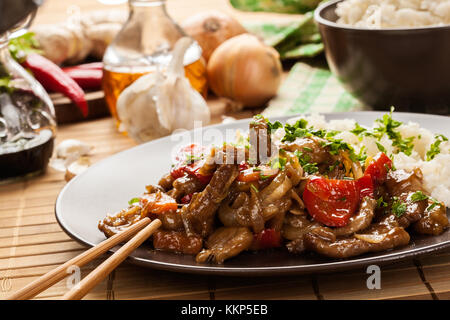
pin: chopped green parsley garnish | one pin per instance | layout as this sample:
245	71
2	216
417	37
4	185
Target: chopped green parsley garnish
304	160
297	130
418	196
381	203
254	188
274	126
278	163
190	158
358	130
434	148
398	207
380	147
5	84
433	204
334	166
134	200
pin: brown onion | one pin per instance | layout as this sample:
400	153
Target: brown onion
245	70
212	28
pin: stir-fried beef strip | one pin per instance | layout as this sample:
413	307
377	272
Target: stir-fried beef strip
224	243
113	224
177	241
294	229
434	221
311	147
404	185
361	220
170	220
166	182
185	185
352	246
198	216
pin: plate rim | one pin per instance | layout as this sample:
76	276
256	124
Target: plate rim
206	269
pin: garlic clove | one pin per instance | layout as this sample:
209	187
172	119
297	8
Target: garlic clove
72	148
77	167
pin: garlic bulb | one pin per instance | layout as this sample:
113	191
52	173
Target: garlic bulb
158	103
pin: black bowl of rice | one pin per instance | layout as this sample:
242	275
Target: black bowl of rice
389	56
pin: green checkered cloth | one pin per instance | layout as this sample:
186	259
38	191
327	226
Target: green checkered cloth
311	89
293	40
280	6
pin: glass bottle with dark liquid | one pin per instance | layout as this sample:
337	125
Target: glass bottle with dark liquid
27	120
143	45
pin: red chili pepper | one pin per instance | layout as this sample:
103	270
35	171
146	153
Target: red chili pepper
330	201
378	168
53	78
268	238
90	66
86	78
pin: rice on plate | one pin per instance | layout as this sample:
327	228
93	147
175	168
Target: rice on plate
378	14
409	145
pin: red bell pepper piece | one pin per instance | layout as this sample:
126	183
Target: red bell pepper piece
330	201
186	199
189	160
266	239
378	168
53	78
365	186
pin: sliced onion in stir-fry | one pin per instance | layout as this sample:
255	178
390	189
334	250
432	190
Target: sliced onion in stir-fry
371	238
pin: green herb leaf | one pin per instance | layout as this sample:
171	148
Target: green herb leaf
23	45
380	147
398	207
190	158
304	160
5	84
433	204
358	129
434	148
418	196
381	203
134	200
278	163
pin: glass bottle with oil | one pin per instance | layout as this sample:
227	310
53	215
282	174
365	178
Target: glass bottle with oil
143	45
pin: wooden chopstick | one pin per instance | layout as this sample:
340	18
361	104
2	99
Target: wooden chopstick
102	271
59	273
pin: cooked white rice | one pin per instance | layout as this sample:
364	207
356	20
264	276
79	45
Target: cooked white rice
378	14
436	172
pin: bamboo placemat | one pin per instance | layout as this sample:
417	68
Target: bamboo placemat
32	243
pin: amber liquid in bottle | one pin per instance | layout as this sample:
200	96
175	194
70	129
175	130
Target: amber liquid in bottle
116	80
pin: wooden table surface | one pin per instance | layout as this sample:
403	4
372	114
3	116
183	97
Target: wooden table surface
32	243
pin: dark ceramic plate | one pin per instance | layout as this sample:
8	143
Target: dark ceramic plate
109	184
